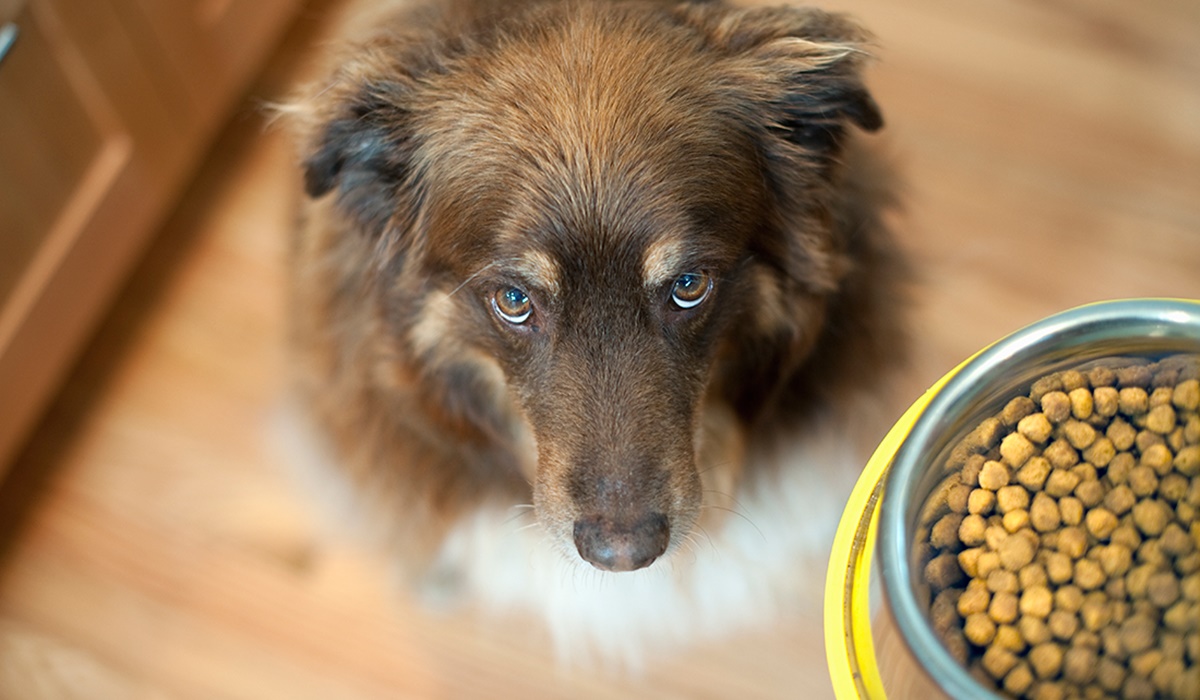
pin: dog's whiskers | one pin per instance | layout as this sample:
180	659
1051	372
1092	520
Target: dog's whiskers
736	512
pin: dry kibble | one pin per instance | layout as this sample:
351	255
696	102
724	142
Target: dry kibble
1016	552
1187	462
1089	575
1061	482
1079	664
1119	500
1072	541
1081	403
998	661
1003	581
1163	589
1037	601
1073	570
1059	567
1004	607
1104	401
1061	455
1015	448
971	530
1152	516
1100	522
979	629
1143	481
975	599
993	475
1034	473
1071	510
1019	679
1161	419
981	501
1046	659
1158	457
1079	434
1133	400
1033	630
1100	452
1062	624
1009	498
1036	428
1121	433
1137	633
1056	406
944	534
1044	514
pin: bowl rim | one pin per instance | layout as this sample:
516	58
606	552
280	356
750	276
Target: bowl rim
1162	320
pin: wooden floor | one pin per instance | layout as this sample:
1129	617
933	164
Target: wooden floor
151	545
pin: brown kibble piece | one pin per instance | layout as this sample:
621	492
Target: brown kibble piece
1068	598
1161	419
942	571
1036	428
1056	406
1100	522
943	612
1010	498
1061	482
981	501
1079	434
1104	401
1016	410
1071	510
1046	659
998	661
1002	581
1133	400
1061	455
1110	674
1034	472
1090	492
1174	486
1152	516
971	530
1115	559
1062	624
1119	500
1016	552
1037	601
993	475
1081	403
970	470
1163	589
979	629
1003	608
1033	630
944	534
1137	633
1187	462
1044	514
1143	481
1059	567
1072	541
1186	396
1008	637
1121	433
1100	452
1089	575
1019	679
956	498
1079	664
1158	457
1015	448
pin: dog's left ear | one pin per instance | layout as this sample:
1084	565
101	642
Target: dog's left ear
800	69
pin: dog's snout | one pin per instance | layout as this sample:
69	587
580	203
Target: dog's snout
613	546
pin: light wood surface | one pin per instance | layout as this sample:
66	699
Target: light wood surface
152	545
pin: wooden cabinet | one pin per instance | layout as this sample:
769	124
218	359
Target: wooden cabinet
106	106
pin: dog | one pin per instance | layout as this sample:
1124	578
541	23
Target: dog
583	292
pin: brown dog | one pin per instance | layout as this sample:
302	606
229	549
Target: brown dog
593	256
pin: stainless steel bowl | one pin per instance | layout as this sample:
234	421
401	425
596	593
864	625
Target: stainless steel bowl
1146	328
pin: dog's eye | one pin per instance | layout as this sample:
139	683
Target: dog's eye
513	305
690	289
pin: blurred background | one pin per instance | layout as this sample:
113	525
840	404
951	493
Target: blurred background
152	544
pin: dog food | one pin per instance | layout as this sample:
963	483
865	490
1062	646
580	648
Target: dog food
1062	551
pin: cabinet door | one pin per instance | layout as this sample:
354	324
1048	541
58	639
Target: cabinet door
64	152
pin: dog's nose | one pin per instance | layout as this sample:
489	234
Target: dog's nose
613	546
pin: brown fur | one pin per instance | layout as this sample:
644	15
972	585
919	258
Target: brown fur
464	147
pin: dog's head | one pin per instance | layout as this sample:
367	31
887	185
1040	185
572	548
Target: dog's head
612	219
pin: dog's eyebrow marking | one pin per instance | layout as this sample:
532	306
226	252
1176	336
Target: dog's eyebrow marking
539	269
661	261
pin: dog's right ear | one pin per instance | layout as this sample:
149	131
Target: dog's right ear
360	145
